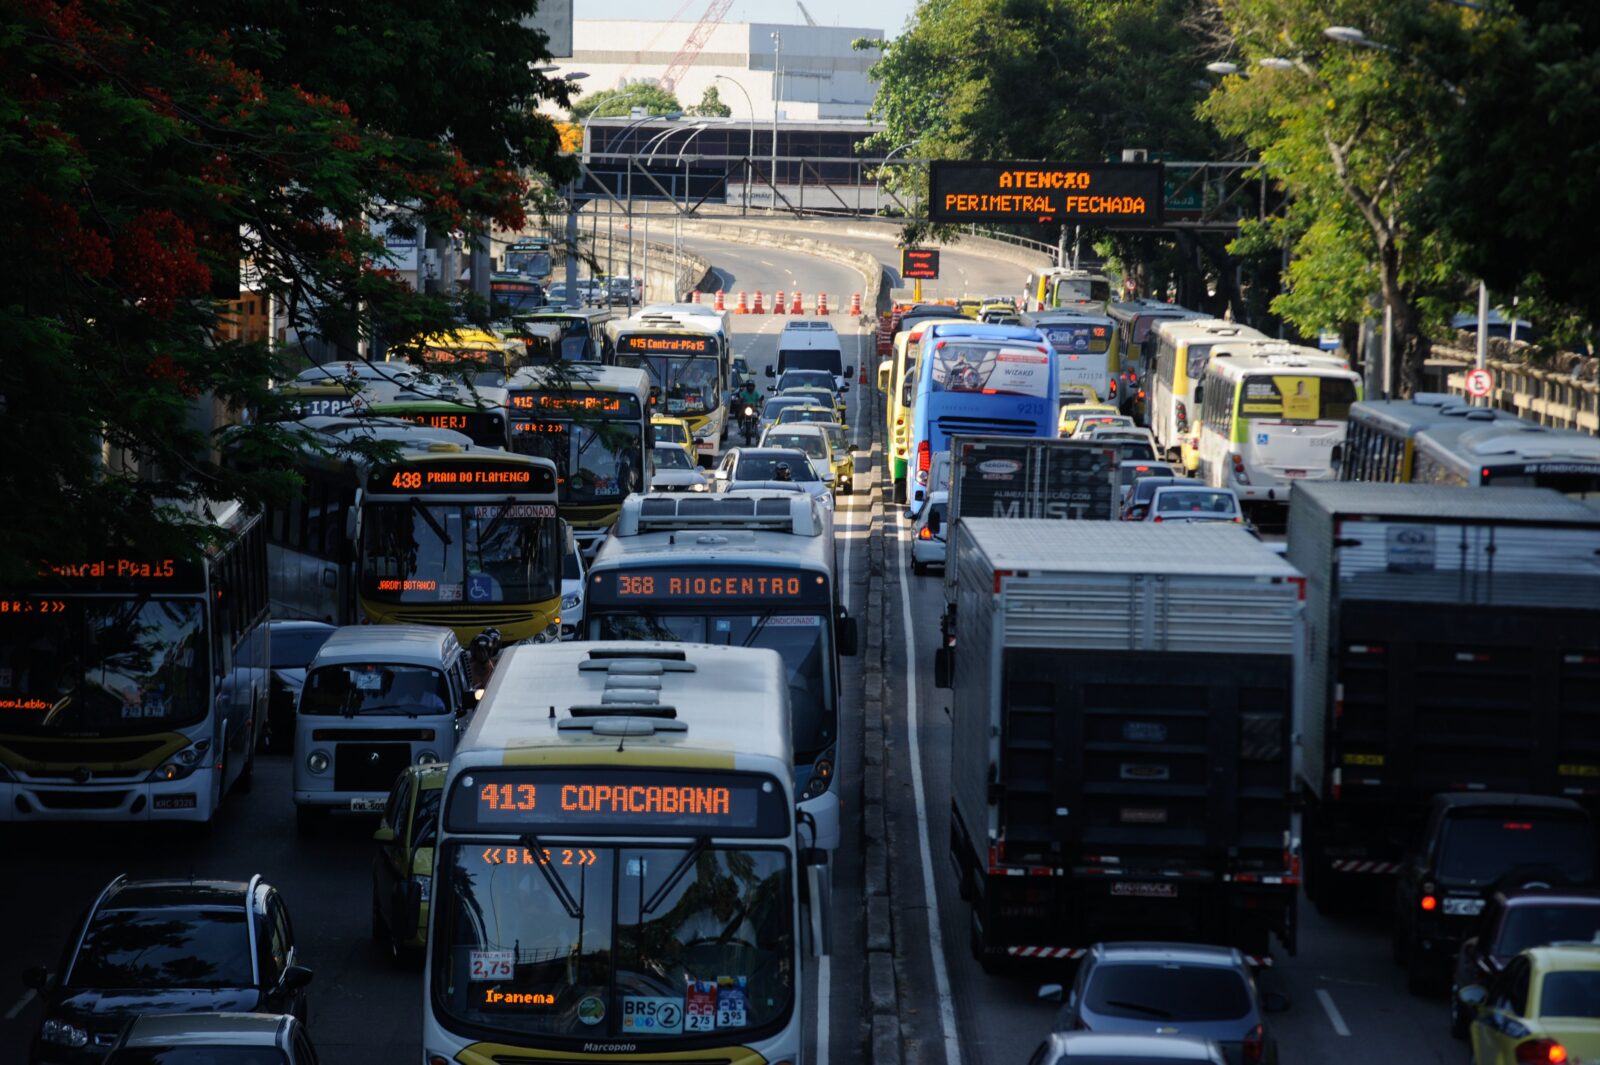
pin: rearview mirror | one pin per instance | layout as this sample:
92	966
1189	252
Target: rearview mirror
849	371
848	635
383	834
1051	992
1473	995
295	977
771	372
844	388
719	475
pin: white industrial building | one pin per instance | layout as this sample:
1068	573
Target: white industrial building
810	71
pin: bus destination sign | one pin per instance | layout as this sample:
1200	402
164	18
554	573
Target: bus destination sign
665	585
660	344
1100	194
566	800
461	478
919	264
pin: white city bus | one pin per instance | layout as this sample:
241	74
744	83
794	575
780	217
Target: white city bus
748	568
1272	418
1183	348
621	870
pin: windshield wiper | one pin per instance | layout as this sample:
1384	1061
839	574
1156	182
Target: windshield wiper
433	523
659	896
562	892
1140	1007
756	629
386	710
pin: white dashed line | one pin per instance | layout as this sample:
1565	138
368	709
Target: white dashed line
1335	1018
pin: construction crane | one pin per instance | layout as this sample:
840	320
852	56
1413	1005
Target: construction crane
805	14
716	11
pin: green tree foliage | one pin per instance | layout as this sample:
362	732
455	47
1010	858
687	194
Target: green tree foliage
1349	133
613	103
146	152
1516	182
710	105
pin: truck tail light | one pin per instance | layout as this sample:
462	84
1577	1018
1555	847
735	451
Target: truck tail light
924	456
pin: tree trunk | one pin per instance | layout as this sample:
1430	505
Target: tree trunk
1409	347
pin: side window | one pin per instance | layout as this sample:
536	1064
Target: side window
282	932
394	811
1502	993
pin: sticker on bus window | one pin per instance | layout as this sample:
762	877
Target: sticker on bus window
518	510
636	867
449	593
732	1002
700	1006
794	621
491	965
651	1015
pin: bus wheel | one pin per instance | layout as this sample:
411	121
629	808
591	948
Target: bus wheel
900	490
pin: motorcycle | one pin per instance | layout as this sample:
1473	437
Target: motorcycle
747	423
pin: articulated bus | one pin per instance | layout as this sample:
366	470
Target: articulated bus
594	423
125	689
1133	348
979	380
747	569
1453	444
901	397
1270	419
464	537
1183	348
621	872
1060	287
689	370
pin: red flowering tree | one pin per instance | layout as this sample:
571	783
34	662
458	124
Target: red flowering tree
149	149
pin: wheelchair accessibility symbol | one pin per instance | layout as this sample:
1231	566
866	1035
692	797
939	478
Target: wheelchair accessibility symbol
480	588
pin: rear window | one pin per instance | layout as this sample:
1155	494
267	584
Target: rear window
765	468
371	688
811	444
1481	849
1574	993
1195	503
1537	924
1150	992
1087	339
165	947
1297	398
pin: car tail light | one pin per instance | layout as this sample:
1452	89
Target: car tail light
1253	1051
1429	903
1113	388
1156	518
924	533
1541	1052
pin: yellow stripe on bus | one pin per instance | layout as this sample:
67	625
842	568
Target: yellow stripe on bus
501	1054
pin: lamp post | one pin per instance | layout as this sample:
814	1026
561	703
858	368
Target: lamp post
777	93
750	152
670	117
877	179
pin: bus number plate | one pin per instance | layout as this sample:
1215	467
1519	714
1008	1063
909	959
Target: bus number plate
1137	890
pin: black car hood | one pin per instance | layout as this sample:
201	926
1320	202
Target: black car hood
109	1002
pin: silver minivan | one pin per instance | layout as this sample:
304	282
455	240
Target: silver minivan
376	699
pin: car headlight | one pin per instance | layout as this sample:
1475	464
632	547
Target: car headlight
182	764
317	761
424	887
699	486
64	1034
426	757
821	777
571	602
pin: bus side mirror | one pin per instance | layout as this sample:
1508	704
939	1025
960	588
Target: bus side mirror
383	834
849	371
352	521
771	372
944	665
849	637
1199	394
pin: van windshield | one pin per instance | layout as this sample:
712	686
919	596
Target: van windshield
352	690
811	359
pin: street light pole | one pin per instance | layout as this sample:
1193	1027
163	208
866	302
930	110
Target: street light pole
777	93
750	152
877	180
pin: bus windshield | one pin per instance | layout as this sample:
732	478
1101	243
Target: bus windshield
800	639
990	369
595	462
415	552
104	666
687	385
641	941
1081	290
1295	398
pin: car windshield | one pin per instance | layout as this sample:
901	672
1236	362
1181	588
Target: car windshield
189	1054
641	942
804	414
800	639
765	468
1190	501
104	666
672	457
164	947
778	404
1480	848
1535	924
459	552
1570	993
371	688
1167	992
291	648
672	432
805	379
811	443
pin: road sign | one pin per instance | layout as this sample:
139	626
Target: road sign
1479	382
679	182
1099	194
919	264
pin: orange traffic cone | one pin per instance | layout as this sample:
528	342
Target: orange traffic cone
795	307
855	305
777	303
721	304
822	303
757	308
694	297
743	307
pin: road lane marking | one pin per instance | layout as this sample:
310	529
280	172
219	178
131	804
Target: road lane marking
824	992
21	1004
763	262
941	978
1335	1018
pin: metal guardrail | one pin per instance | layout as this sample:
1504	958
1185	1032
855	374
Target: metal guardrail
1550	397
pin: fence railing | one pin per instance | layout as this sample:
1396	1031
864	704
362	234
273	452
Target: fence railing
1563	399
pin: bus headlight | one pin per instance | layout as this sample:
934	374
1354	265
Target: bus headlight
317	761
705	432
181	765
427	757
821	777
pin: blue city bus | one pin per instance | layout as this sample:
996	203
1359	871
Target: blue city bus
983	380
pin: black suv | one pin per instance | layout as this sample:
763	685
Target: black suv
167	946
1472	845
1511	923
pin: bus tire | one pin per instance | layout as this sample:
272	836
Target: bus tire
900	491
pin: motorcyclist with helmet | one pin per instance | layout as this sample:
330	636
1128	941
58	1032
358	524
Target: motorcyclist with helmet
748	404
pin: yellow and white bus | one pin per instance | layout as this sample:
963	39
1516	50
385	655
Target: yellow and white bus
621	872
461	536
1183	348
129	683
902	396
1272	418
1062	287
688	368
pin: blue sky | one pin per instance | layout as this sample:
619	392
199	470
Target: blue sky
887	15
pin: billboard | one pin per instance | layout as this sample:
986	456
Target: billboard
919	264
1099	194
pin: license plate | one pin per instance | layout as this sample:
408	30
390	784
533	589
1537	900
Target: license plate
1463	907
1137	890
174	802
1294	473
366	806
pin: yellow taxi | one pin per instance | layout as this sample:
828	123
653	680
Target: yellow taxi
674	431
969	308
812	412
402	866
1071	412
819	445
820	396
1543	1007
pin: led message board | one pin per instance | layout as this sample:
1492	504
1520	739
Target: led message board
459	478
1100	194
919	264
568	800
704	585
554	404
651	344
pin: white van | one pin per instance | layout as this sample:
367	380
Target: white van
809	345
376	699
